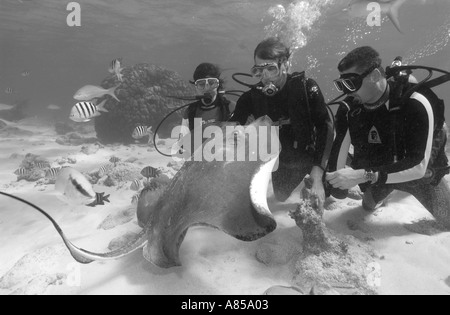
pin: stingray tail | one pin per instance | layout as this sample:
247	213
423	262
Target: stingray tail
393	13
83	256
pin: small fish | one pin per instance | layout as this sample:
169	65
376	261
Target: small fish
105	169
74	188
85	111
114	160
22	172
53	107
358	8
52	173
42	165
115	68
89	92
135	199
9	90
25	73
100	199
150	172
136	185
6	107
142	131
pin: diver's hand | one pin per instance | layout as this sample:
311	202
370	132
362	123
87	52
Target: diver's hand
346	178
317	189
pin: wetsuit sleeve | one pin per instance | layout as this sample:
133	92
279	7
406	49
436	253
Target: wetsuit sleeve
418	138
243	109
341	145
322	123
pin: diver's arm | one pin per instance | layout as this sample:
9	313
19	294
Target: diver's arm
243	109
341	145
419	129
340	149
323	124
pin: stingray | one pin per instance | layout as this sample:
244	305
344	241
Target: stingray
226	195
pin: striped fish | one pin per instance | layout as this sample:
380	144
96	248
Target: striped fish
52	173
142	131
85	111
9	91
136	185
22	172
42	165
114	160
150	172
25	73
135	199
100	199
105	169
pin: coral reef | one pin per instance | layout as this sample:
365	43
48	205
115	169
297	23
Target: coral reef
316	236
91	148
33	164
332	261
119	174
143	101
66	160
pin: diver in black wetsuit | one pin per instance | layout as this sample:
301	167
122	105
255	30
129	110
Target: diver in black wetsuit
214	108
297	105
404	154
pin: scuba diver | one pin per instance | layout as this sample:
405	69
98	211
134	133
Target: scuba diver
296	104
212	107
398	132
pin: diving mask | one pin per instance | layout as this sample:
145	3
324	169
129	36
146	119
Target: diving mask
351	82
271	70
207	84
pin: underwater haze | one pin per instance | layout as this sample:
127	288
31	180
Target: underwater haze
35	37
93	174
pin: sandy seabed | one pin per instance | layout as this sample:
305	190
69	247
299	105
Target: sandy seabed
33	259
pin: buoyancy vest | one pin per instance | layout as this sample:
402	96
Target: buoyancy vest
223	104
298	109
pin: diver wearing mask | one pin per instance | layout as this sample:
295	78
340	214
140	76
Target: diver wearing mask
399	142
212	107
296	104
